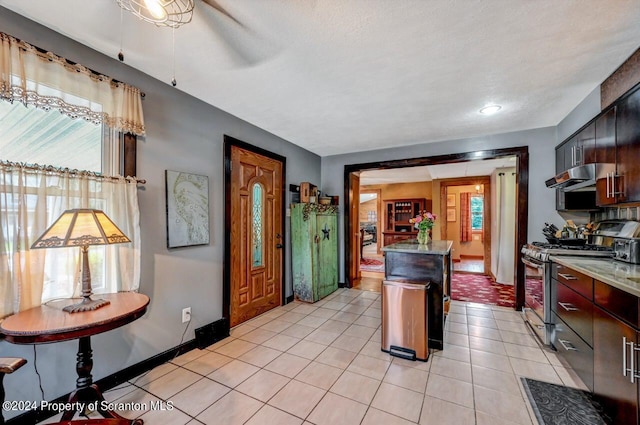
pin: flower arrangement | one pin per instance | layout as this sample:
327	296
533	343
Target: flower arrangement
423	221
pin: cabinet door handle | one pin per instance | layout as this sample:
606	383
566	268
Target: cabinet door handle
573	156
613	185
632	369
568	306
624	356
632	362
608	186
567	345
567	276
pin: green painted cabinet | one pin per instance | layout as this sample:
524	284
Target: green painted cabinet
314	250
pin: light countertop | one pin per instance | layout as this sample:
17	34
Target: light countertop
620	275
413	247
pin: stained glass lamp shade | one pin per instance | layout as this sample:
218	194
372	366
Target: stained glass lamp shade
81	228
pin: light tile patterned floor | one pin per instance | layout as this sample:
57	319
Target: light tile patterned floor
321	364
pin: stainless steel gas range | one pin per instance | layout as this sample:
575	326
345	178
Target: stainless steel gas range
535	256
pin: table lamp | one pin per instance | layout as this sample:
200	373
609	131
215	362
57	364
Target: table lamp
82	227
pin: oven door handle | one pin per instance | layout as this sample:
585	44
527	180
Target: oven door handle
532	264
567	345
568	306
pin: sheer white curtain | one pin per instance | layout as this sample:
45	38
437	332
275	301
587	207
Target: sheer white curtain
31	199
506	240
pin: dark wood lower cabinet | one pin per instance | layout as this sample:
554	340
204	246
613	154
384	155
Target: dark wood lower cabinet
616	392
574	350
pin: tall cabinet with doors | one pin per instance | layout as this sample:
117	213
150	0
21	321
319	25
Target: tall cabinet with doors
314	250
397	213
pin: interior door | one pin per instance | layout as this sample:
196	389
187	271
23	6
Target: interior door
256	234
354	227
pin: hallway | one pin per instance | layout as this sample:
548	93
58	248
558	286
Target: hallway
469	265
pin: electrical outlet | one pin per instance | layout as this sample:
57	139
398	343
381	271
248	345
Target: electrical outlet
186	314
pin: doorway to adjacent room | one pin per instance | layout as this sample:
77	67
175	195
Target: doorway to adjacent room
519	209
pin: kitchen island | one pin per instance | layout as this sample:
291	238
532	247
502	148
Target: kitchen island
407	260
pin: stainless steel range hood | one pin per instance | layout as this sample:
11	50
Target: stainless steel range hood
582	177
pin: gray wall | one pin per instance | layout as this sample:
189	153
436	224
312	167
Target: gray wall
183	134
541	143
581	114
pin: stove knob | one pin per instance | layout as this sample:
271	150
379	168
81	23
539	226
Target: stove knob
623	256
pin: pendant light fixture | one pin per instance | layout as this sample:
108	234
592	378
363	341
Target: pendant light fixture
162	13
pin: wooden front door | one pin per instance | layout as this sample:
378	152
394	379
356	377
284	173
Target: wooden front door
256	234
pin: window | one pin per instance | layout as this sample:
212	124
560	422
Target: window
477	208
34	136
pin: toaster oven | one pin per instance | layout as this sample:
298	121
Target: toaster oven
627	250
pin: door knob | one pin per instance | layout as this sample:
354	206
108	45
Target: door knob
279	246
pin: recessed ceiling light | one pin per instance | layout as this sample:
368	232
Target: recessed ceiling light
490	109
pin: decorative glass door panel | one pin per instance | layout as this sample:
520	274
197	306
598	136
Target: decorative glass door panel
257	226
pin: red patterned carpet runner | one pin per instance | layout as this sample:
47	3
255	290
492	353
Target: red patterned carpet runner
371	265
481	289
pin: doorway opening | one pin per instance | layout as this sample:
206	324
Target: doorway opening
466	216
520	163
370	230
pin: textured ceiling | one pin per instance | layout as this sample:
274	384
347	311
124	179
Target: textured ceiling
337	76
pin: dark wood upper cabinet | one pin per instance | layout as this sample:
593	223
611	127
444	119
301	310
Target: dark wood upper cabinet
578	150
566	155
605	148
560	159
627	176
585	151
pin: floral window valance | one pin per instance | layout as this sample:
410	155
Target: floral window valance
48	81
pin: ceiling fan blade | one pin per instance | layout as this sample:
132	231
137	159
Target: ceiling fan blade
245	45
222	10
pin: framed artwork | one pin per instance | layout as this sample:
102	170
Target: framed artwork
451	201
187	209
451	214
